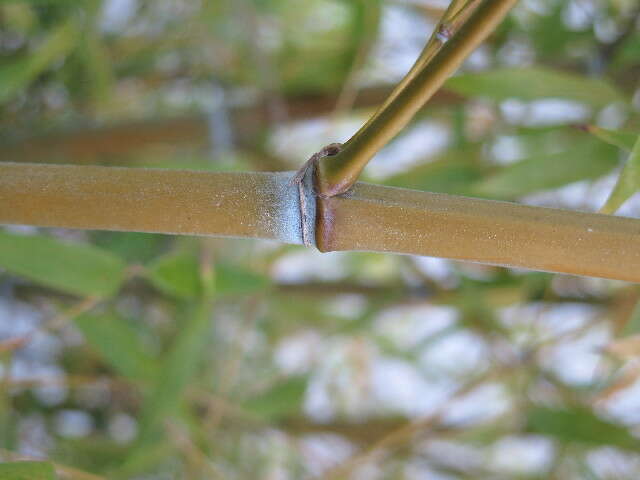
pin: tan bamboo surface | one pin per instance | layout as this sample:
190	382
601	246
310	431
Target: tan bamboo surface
386	219
368	217
255	205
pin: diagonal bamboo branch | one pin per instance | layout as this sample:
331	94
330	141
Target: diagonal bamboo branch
336	174
369	217
455	16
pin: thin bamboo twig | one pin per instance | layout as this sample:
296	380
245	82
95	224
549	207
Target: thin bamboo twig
407	431
192	452
231	367
55	323
337	173
448	25
369	217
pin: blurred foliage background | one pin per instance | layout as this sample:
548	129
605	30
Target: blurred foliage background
128	355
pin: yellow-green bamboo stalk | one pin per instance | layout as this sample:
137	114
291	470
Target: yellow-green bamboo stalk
452	19
386	219
252	205
336	174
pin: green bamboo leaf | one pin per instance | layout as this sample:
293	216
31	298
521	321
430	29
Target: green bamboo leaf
233	280
176	274
70	267
617	138
452	173
549	35
97	68
177	370
584	162
533	84
145	458
632	327
118	343
628	182
22	72
628	53
97	73
336	48
365	25
27	471
579	425
18	15
284	398
133	247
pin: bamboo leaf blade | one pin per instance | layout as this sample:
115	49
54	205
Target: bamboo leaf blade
118	344
96	77
74	268
27	471
234	280
284	398
586	161
617	138
628	182
176	371
632	326
132	247
164	399
579	425
177	274
453	173
533	84
19	74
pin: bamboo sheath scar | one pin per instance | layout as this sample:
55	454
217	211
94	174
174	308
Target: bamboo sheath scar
368	217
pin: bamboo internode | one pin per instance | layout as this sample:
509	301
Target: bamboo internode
386	219
251	205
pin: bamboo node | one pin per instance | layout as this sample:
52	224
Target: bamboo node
303	179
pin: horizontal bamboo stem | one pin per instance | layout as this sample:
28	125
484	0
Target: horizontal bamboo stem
252	205
369	217
386	219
